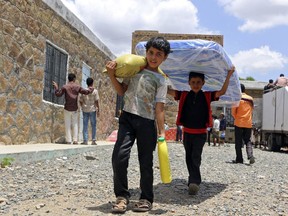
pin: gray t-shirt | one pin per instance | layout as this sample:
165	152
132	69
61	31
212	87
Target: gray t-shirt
144	90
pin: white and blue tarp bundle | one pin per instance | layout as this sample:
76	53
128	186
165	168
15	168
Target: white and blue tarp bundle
201	56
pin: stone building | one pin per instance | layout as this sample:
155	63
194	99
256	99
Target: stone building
41	41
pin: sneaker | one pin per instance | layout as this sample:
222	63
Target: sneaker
84	143
193	189
75	143
93	142
252	160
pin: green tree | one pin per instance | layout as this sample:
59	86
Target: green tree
249	78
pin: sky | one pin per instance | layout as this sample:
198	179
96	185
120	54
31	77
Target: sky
255	32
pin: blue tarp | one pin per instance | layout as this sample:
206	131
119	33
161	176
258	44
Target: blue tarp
202	56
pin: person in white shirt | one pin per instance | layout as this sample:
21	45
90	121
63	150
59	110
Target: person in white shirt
281	81
215	131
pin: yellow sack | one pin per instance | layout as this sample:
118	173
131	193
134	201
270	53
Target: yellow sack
128	65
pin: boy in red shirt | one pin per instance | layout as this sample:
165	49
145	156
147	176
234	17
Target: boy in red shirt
195	115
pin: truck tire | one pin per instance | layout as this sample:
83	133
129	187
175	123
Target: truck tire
271	143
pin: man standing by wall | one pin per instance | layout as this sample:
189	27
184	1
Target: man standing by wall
71	91
90	106
243	127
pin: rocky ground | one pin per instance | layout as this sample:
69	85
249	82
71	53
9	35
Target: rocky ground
82	185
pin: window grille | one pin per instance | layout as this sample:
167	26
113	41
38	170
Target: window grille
55	70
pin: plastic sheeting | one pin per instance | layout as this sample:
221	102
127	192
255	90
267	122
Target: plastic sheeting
202	56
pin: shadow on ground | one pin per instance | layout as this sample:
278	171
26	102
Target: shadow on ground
174	193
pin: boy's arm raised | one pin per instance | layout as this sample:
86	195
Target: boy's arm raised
119	87
171	92
223	90
160	114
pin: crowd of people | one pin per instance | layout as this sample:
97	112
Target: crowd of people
281	81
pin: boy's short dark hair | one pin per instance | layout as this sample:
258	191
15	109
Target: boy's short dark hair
281	75
193	74
242	87
270	80
71	77
159	43
89	81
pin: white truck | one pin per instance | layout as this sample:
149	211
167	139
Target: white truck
275	118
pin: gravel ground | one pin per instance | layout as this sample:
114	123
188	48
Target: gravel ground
82	185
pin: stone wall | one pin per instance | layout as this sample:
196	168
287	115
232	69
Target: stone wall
25	27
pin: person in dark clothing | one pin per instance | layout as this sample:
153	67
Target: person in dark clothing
269	86
222	129
179	133
195	115
144	95
209	132
243	115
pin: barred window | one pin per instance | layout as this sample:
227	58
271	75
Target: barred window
55	70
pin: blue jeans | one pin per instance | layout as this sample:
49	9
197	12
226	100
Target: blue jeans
86	117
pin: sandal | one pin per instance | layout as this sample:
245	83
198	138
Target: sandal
120	206
142	206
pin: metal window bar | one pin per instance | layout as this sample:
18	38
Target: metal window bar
55	69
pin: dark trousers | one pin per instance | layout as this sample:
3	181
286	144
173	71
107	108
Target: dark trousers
193	144
133	127
243	135
179	133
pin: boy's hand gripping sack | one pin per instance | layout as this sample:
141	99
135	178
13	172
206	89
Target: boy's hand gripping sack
128	65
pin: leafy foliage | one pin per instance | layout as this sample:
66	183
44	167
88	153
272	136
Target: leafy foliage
7	161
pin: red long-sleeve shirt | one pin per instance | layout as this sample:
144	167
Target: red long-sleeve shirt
71	91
